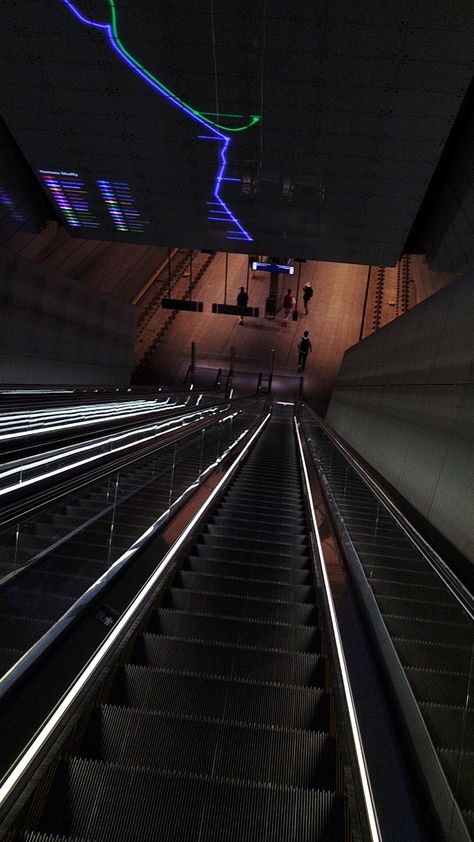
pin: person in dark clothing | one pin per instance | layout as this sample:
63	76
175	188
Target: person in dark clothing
242	301
304	347
307	294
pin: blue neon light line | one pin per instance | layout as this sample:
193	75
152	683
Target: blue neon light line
150	80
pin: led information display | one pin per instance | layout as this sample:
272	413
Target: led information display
272	267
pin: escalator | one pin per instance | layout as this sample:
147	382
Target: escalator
421	616
218	722
54	562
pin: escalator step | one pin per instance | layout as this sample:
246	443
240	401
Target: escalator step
459	767
402	575
88	568
240	607
40	604
426	629
305	708
290	506
252	510
391	563
426	593
218	659
438	687
61	582
260	527
112	803
243	587
434	656
23	632
449	726
252	633
212	748
250	541
448	612
256	532
297	558
239	569
384	550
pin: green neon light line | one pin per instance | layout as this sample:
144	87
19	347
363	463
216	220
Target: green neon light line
254	118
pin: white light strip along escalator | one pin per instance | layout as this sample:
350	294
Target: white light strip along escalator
361	761
70	423
180	422
37	743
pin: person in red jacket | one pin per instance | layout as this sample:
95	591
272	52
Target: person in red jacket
288	303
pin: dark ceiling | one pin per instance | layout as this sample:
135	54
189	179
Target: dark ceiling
117	102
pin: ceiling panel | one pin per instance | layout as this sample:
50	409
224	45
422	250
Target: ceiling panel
129	114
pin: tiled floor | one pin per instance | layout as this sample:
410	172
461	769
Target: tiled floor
334	323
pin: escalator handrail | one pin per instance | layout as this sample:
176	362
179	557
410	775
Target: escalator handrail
26	505
442	569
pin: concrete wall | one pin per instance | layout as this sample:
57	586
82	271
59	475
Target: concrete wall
404	399
55	330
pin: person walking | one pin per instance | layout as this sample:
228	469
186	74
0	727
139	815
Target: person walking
304	347
242	301
288	303
307	294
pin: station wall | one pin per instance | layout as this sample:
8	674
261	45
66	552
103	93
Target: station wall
57	331
404	399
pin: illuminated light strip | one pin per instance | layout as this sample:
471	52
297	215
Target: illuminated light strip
97	411
43	417
139	434
359	749
67	426
24	483
216	128
38	742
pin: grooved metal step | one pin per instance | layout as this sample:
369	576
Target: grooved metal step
242	632
214	810
243	587
304	708
220	659
210	747
241	569
234	606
